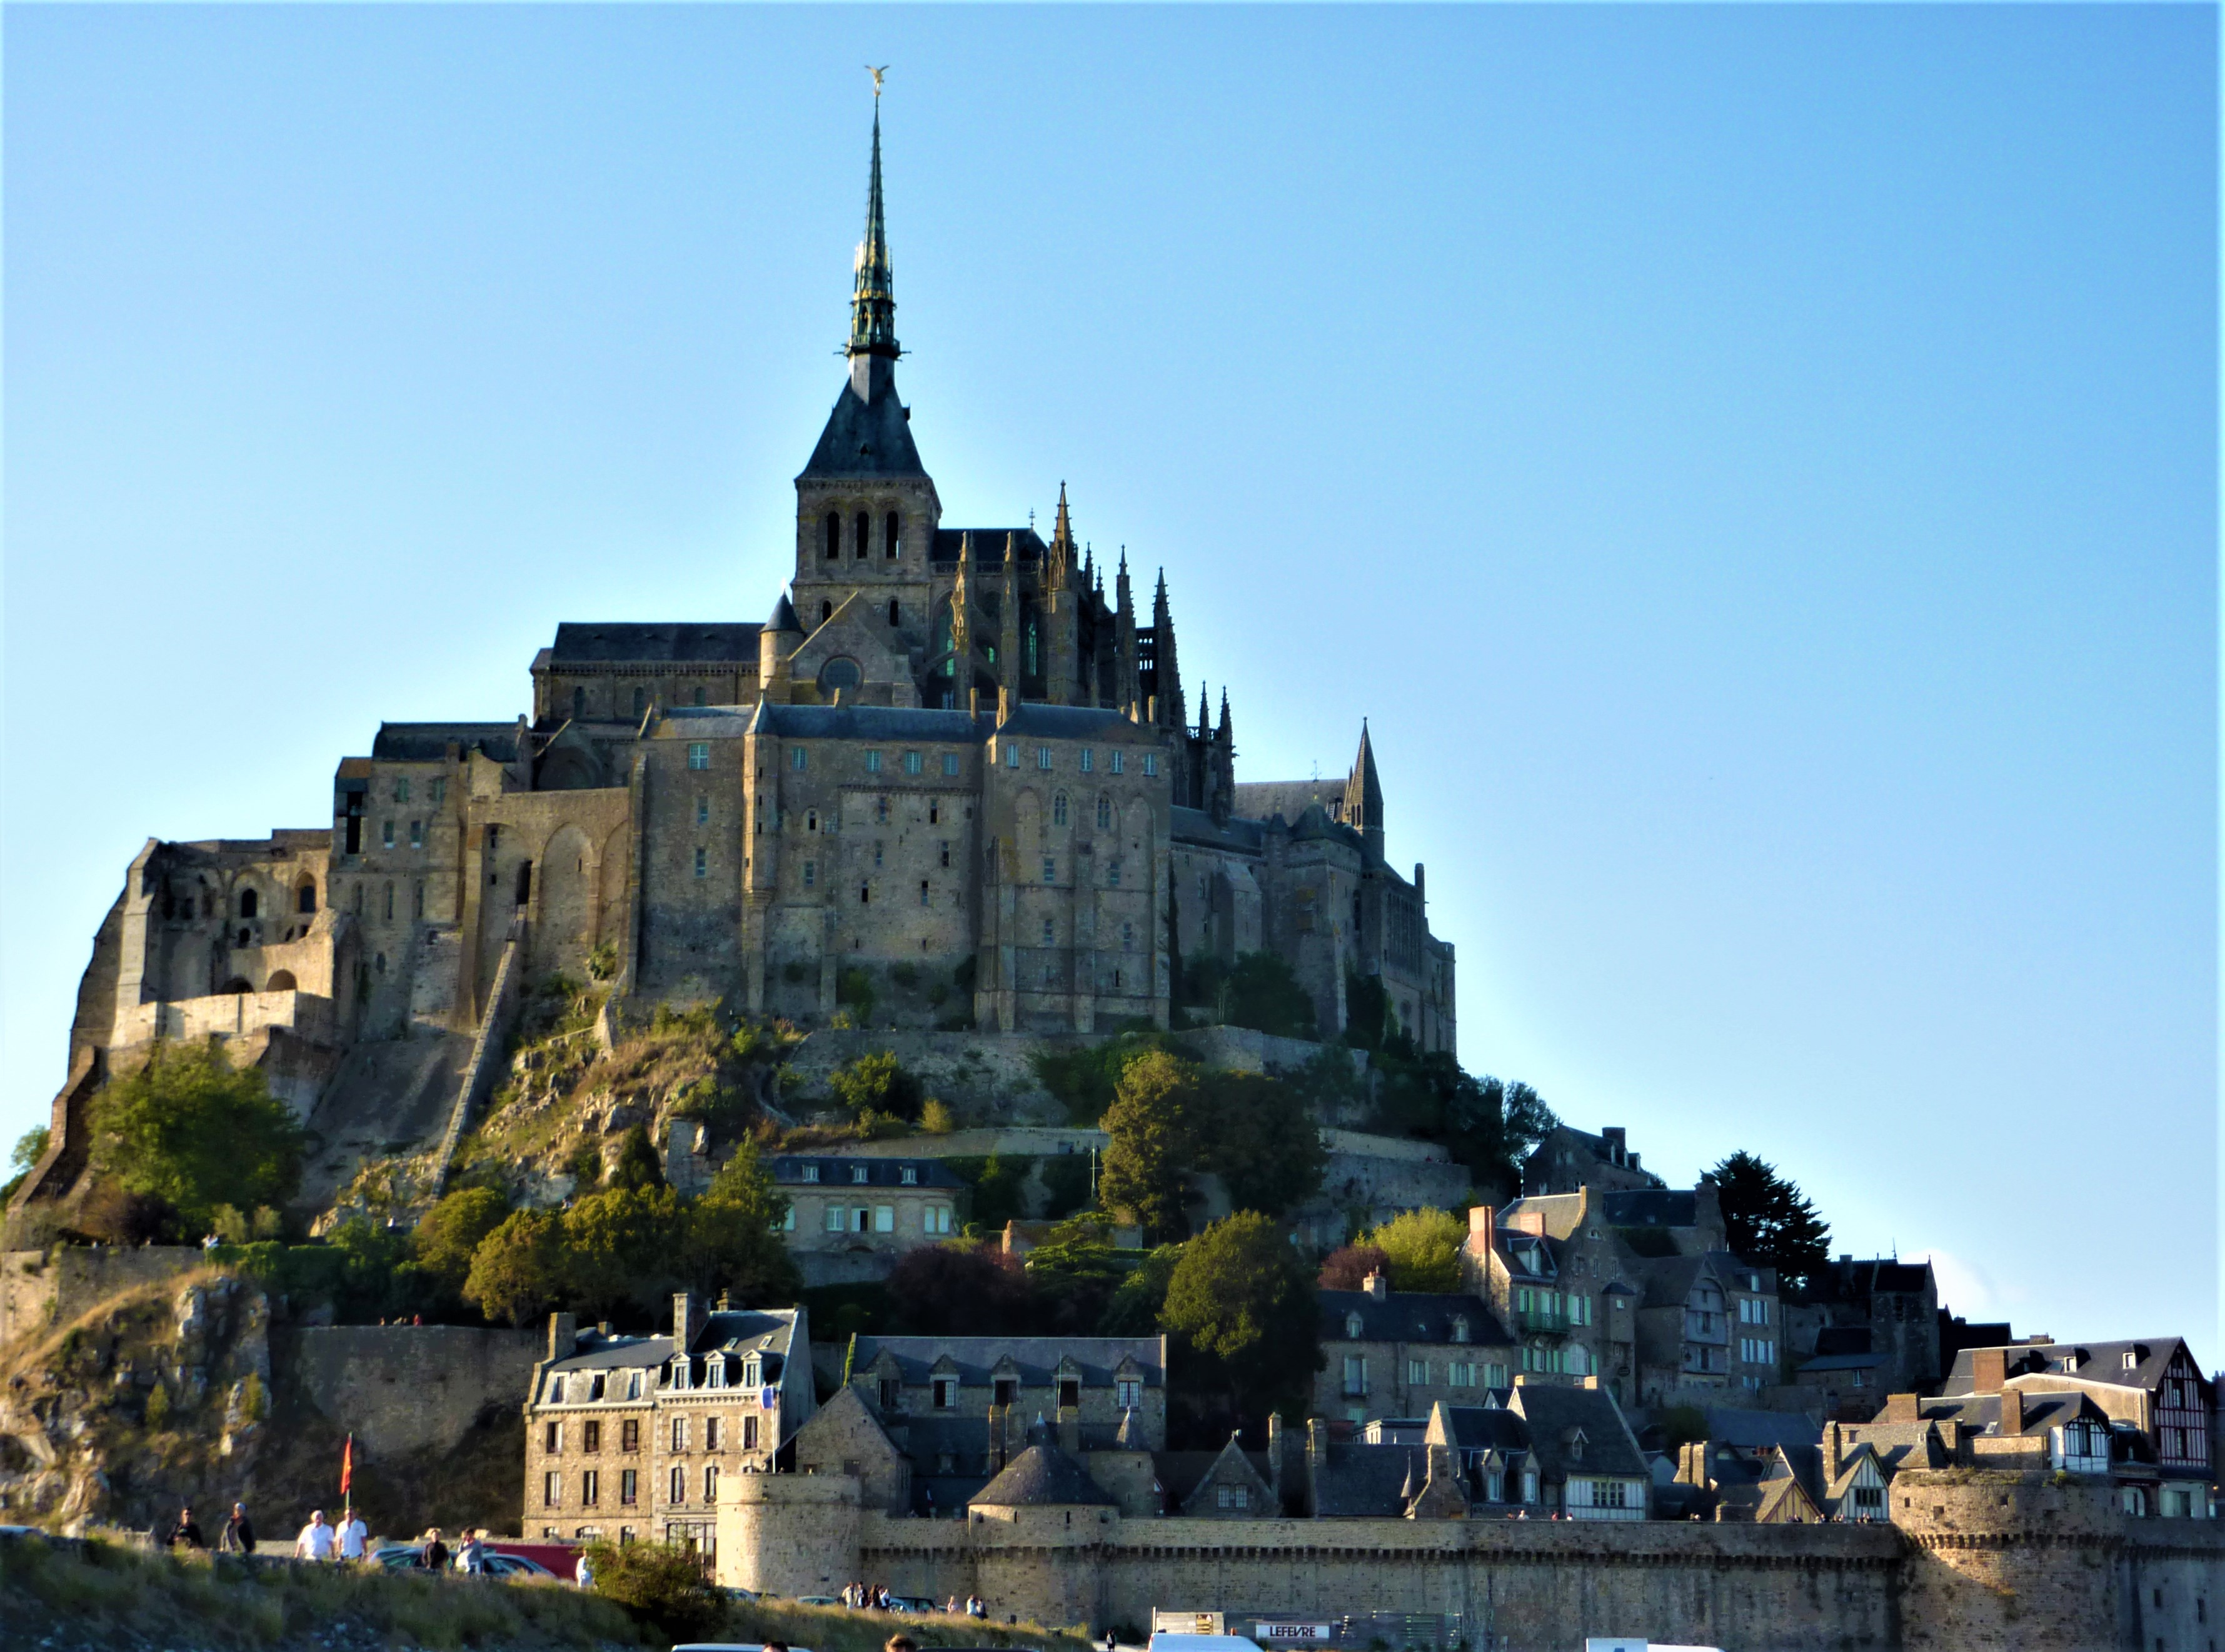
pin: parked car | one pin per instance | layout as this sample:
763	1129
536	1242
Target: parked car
398	1557
515	1566
817	1600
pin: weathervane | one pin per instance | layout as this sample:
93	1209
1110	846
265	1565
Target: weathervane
876	74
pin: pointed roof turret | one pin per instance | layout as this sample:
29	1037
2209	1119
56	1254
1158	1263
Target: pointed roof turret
1363	795
783	617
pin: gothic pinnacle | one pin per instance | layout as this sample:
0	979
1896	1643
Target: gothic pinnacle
873	304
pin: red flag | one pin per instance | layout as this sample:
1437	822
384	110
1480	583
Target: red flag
347	1466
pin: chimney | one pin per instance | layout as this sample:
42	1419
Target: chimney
687	1320
1900	1407
1482	1237
1833	1452
1614	1136
563	1335
1989	1370
1276	1446
2012	1413
1375	1285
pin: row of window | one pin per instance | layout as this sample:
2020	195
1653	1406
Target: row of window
1116	763
1757	1351
250	904
1753	1310
591	1487
1555	1359
436	789
875	1218
590	1434
942	1393
1459	1373
416	834
861	535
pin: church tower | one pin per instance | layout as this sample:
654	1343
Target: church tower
866	508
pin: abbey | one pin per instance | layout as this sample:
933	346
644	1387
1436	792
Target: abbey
948	764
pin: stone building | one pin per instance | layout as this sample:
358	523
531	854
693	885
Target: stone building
631	1436
1398	1353
954	766
849	1217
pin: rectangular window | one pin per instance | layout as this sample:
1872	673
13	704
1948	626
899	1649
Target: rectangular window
401	791
950	762
811	1173
436	790
630	1433
946	1393
1043	756
1120	763
386	835
1355	1375
859	1174
1462	1373
1151	763
914	763
679	1433
551	1489
1113	873
702	861
1089	760
628	1486
1050	932
799	759
1225	1496
787	1220
591	1436
810	873
1417	1373
749	1432
710	1483
552	1441
711	1432
908	1175
1051	869
873	762
1128	1393
1495	1376
835	1218
416	834
922	892
938	1218
591	1487
884	1218
699	755
702	811
678	1483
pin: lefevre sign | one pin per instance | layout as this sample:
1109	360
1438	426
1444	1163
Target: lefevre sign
1268	1634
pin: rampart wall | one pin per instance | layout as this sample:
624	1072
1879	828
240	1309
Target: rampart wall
40	1288
405	1388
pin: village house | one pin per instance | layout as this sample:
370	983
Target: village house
850	1218
1397	1353
627	1437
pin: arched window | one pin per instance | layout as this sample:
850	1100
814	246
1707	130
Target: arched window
579	704
1105	814
1030	644
891	537
826	612
862	533
896	613
833	535
247	903
280	981
1058	809
305	898
524	886
237	983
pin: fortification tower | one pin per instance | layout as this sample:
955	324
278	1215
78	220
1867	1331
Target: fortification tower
789	1535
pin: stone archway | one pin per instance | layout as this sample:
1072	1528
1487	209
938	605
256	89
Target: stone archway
564	925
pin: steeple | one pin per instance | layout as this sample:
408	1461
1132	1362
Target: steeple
1008	642
1166	670
1059	564
873	302
1128	691
1363	795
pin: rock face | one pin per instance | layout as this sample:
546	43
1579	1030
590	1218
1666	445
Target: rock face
155	1398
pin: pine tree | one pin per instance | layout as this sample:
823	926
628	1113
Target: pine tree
1768	1220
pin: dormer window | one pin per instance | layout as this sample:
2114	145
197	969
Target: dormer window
858	1173
1577	1447
752	1372
910	1175
1352	1326
556	1389
633	1385
680	1374
811	1173
2131	1361
715	1372
1460	1328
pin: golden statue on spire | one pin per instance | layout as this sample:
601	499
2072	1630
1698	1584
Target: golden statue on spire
876	74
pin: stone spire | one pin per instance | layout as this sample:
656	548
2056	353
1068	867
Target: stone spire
1363	795
1058	566
961	628
873	303
1129	691
1166	670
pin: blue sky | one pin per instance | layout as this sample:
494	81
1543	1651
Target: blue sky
1755	468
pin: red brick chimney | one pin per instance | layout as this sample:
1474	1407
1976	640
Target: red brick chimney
1482	1235
1989	1370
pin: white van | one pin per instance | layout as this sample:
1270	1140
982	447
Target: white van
1167	1641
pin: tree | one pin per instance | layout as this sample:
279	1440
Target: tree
1151	1143
624	1247
1490	1126
637	1166
877	1082
452	1229
1242	1304
661	1585
1074	1273
1768	1220
733	1240
1423	1248
1348	1267
1134	1308
1256	1135
192	1129
518	1270
30	1147
960	1290
1258	991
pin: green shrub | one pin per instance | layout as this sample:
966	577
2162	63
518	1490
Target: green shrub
877	1082
935	1118
660	1584
853	990
158	1406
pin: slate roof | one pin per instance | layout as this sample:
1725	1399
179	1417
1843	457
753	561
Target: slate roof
429	741
988	545
1761	1430
1038	1476
618	1353
1262	800
1897	1444
2096	1362
837	1173
1847	1280
866	439
1552	1412
1357	1481
1668	1281
1407	1316
889	723
1182	1474
1830	1363
1038	1358
1650	1206
675	642
2043	1410
1072	723
1196	826
1484	1428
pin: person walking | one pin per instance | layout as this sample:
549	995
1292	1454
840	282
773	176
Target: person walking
471	1559
187	1531
315	1542
583	1574
435	1555
352	1532
237	1537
